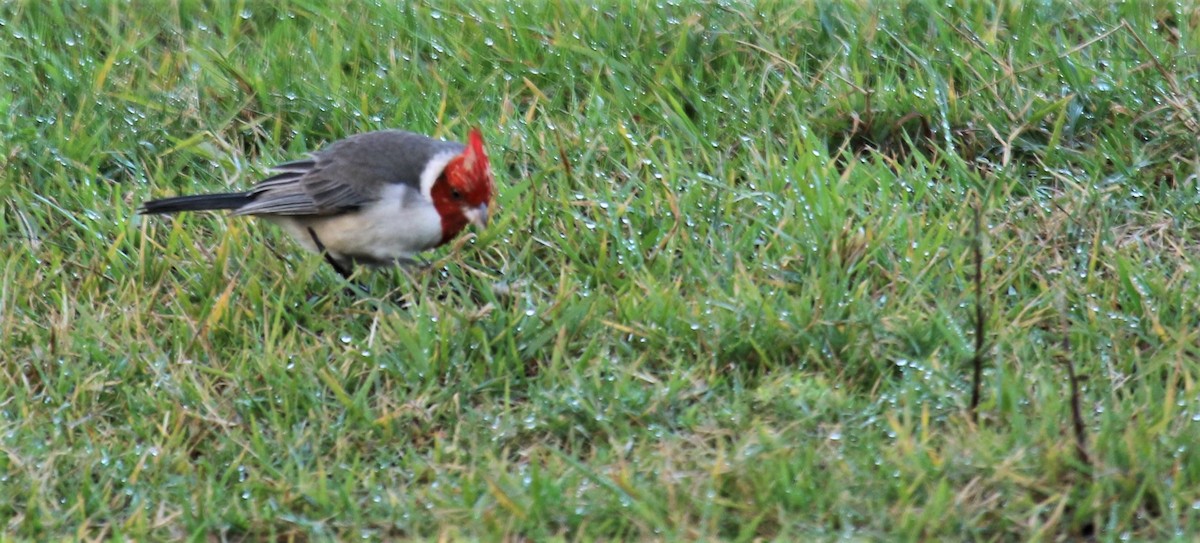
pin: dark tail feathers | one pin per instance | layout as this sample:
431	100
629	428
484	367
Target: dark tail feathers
199	202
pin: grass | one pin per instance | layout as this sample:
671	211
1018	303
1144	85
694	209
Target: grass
729	293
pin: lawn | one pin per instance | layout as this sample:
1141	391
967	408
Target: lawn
746	262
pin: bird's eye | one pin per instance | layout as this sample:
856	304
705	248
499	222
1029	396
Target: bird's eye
455	194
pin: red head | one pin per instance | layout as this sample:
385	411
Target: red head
464	191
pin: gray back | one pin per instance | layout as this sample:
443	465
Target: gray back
349	174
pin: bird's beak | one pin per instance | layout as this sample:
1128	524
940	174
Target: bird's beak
478	216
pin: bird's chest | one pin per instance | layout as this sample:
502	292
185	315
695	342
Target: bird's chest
387	231
397	226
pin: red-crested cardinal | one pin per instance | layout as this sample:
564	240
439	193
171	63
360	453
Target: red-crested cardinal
372	198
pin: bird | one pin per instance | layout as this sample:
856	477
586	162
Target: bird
375	198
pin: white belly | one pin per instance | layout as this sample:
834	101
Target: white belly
395	227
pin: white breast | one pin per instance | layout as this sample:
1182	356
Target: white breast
397	226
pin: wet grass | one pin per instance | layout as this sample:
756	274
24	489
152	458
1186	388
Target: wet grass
730	292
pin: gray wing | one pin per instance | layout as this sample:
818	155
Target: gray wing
347	175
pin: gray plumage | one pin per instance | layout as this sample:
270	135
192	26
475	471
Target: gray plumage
347	175
364	199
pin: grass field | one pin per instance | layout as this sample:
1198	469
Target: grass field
730	291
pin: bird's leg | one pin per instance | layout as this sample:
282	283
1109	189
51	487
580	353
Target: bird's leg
406	263
342	270
345	273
